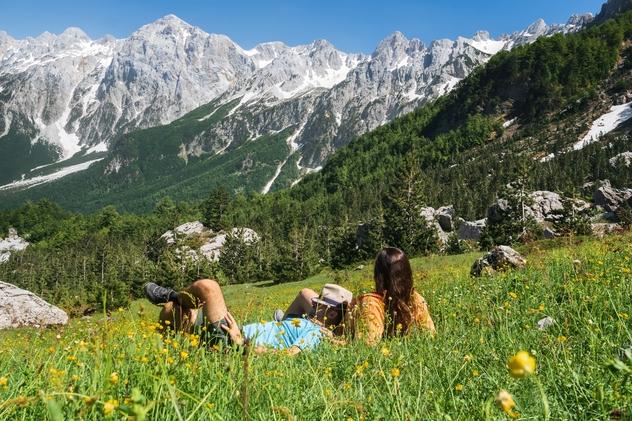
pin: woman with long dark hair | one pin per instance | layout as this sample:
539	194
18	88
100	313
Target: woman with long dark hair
395	307
406	310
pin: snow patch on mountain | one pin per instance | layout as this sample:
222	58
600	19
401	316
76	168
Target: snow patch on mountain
605	124
35	181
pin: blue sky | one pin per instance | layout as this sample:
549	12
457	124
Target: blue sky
354	26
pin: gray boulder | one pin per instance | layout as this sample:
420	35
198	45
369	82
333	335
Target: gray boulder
188	229
444	216
546	206
19	308
471	230
545	323
500	258
548	233
12	243
432	216
610	198
212	243
212	249
496	212
624	159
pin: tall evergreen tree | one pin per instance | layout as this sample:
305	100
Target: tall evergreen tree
214	208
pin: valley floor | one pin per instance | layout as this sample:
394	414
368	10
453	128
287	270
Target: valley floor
121	366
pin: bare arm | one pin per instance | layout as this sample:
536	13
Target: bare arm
233	330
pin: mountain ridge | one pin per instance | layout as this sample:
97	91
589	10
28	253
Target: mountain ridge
328	96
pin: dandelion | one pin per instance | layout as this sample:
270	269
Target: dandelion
110	406
210	405
513	295
4	382
475	373
184	355
395	372
170	360
505	402
385	351
521	365
561	339
458	387
467	358
114	378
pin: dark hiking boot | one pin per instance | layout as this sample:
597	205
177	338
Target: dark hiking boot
157	294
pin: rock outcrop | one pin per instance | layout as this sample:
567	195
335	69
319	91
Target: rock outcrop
610	198
500	258
471	230
11	244
19	308
211	242
441	219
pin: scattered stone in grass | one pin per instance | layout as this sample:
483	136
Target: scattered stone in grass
545	323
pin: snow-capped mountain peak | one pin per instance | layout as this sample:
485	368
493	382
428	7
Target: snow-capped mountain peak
78	94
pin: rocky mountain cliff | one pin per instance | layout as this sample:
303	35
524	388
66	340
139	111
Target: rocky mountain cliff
66	100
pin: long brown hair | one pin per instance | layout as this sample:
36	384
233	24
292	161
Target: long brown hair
394	280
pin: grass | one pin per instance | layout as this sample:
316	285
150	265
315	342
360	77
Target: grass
121	366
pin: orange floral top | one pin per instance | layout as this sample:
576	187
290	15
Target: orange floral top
366	319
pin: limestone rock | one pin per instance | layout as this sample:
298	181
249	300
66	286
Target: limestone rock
500	258
212	249
545	323
19	308
11	244
187	229
471	230
548	233
444	216
624	159
212	243
546	205
610	198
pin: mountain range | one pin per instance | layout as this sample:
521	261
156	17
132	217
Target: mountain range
172	102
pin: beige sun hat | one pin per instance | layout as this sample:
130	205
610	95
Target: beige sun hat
333	295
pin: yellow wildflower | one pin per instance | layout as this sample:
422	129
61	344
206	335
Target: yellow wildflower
475	373
385	351
458	387
561	339
505	402
114	378
521	365
184	355
110	406
467	358
513	295
395	372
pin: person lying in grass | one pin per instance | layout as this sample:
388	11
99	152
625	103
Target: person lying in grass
201	306
395	308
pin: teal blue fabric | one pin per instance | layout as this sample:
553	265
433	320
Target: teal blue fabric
285	334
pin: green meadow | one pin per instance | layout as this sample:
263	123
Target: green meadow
122	367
